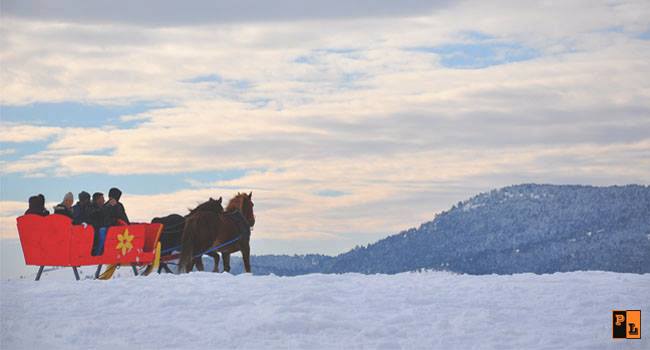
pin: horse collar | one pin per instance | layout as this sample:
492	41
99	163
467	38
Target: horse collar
241	222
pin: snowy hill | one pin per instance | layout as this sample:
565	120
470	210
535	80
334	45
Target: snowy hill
523	228
432	310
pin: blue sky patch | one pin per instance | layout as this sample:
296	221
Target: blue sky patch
311	58
210	78
19	188
342	51
75	114
214	79
260	102
22	149
305	60
330	193
645	35
476	36
480	51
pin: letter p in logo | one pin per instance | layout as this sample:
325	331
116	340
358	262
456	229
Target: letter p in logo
626	324
620	319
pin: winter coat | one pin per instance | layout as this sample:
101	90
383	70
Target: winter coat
37	206
63	210
41	211
81	213
116	212
98	216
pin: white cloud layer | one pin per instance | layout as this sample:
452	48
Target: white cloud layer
171	13
326	102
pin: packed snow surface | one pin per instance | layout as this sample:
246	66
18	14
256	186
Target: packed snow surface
430	310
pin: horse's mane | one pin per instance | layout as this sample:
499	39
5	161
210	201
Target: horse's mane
210	205
236	203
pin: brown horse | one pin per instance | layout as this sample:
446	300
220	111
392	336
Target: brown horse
240	207
230	231
170	237
199	232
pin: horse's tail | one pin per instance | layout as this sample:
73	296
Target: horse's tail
187	245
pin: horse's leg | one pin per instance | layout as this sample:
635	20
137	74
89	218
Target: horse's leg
215	256
226	261
246	256
199	263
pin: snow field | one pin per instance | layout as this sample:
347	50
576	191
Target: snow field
431	310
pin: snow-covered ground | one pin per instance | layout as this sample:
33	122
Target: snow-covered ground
431	310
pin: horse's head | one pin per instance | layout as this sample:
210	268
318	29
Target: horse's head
213	205
247	208
244	203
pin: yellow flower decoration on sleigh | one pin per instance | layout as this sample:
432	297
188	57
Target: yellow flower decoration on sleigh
125	242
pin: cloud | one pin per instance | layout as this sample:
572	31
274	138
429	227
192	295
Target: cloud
14	133
108	62
341	129
384	194
171	13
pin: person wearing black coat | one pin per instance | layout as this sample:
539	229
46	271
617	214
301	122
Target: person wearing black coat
114	208
82	210
37	206
99	219
98	216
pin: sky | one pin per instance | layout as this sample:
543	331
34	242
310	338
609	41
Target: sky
348	120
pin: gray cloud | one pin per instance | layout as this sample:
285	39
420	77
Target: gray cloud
339	105
175	13
525	127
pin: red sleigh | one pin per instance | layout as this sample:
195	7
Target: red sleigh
53	241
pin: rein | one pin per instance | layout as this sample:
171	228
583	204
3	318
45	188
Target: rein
204	252
234	212
218	247
169	250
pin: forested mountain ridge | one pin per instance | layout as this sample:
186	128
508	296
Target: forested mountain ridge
521	228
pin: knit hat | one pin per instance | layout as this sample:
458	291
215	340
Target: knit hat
69	196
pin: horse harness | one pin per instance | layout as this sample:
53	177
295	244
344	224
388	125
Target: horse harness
240	222
242	226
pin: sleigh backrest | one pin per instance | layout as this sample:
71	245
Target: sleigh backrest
45	239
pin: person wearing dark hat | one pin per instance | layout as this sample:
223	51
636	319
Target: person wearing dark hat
37	206
115	208
82	210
